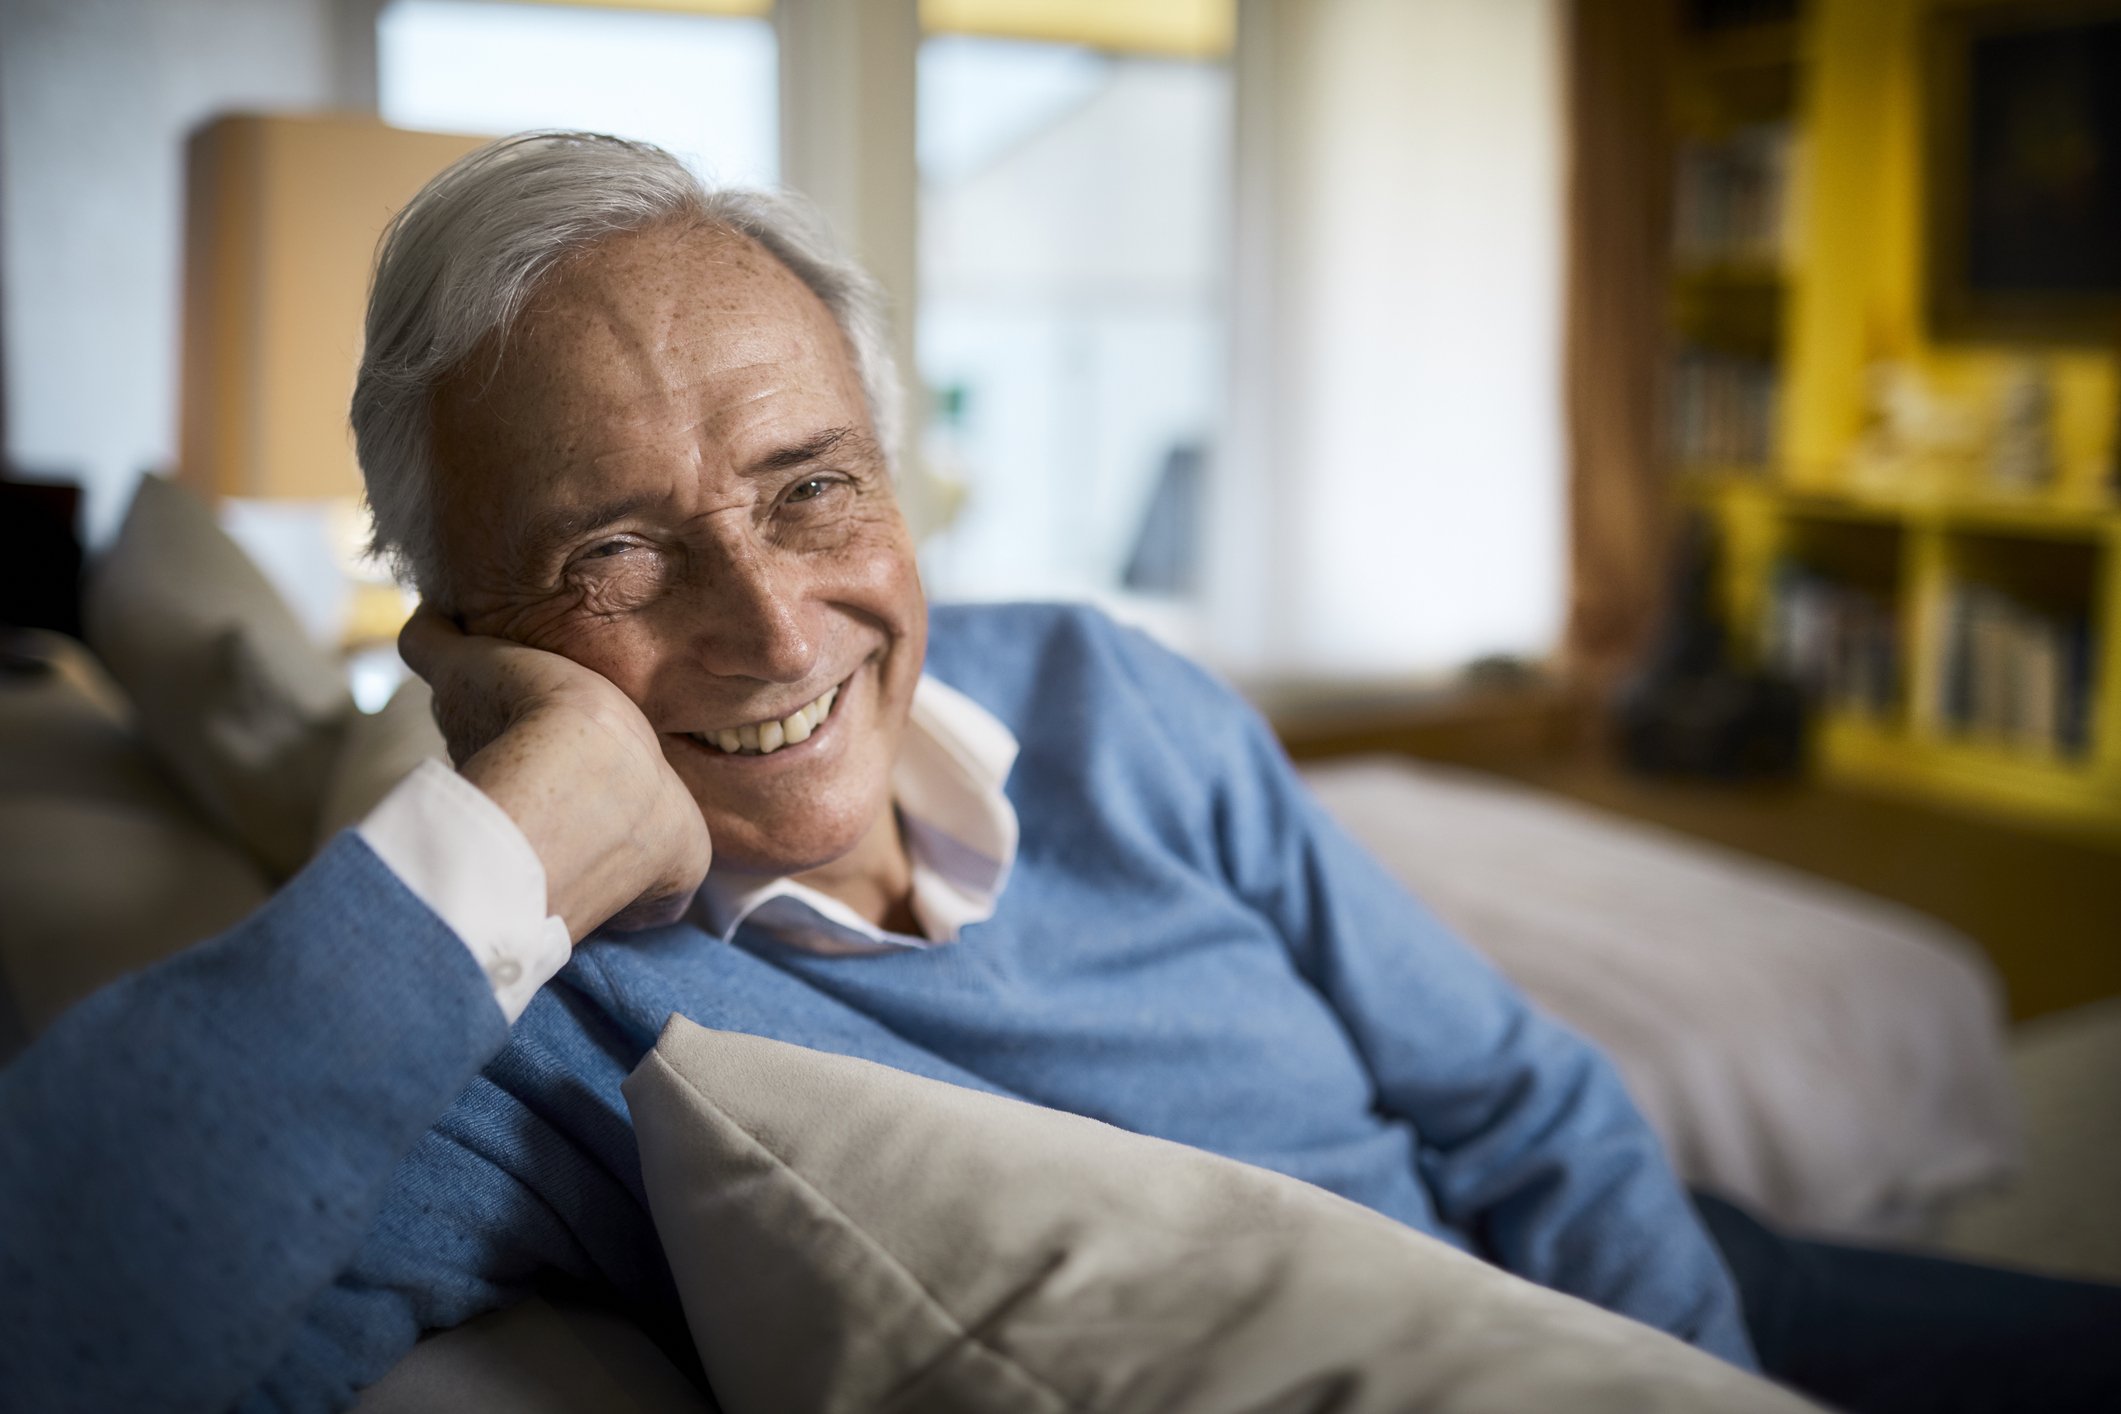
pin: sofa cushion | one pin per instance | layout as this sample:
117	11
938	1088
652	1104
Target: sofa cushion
104	866
2063	1213
91	891
66	728
850	1237
230	694
1835	1062
379	750
536	1357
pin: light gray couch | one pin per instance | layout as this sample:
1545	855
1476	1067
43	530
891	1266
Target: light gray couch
1740	1002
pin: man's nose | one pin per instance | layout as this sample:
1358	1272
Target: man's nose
753	621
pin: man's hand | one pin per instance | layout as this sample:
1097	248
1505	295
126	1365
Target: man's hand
575	765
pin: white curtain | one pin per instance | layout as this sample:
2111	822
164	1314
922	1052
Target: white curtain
1392	495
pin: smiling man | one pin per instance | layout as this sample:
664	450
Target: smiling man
717	757
631	438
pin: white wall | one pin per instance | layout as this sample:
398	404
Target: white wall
1393	499
96	98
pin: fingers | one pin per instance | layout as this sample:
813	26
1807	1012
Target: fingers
426	640
646	913
464	707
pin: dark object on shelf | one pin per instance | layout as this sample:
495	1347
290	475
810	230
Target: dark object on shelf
1690	712
40	556
1727	725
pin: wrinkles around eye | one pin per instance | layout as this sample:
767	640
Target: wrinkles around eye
616	577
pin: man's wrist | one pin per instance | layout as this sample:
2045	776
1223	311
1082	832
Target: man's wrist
540	773
463	856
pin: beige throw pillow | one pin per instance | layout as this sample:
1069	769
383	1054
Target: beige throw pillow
379	750
848	1237
230	693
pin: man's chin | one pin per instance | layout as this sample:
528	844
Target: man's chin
750	846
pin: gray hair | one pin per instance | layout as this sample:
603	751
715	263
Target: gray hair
460	263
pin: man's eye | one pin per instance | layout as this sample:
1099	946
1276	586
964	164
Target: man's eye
810	490
604	551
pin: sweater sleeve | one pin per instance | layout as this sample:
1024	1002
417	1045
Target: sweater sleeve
194	1154
531	1175
1529	1144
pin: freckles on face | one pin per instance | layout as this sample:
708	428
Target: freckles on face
669	476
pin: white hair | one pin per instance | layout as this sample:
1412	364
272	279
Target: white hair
460	263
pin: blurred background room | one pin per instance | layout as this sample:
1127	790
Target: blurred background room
1653	461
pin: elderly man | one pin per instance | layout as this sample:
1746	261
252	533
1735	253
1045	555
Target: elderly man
631	438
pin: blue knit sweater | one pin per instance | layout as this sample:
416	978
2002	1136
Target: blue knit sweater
255	1173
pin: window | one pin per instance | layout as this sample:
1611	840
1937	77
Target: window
703	86
1074	213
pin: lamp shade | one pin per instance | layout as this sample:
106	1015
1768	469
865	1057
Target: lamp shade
283	214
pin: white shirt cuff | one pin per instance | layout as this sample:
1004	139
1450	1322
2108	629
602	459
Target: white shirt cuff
467	861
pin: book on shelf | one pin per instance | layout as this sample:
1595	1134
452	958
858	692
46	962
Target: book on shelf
1839	642
1731	199
1723	409
2015	675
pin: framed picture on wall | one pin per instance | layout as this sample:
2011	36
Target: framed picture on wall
2023	171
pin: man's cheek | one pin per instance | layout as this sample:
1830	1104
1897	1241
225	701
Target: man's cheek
626	652
876	562
685	762
543	620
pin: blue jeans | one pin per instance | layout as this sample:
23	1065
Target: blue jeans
1874	1331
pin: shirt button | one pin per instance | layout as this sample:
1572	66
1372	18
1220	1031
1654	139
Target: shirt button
506	973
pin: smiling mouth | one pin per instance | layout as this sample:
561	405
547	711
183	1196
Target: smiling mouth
765	738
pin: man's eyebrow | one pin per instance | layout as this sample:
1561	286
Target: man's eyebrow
833	439
561	524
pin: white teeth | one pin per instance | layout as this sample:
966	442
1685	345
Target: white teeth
763	738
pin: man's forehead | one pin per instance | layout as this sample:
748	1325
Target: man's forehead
646	339
637	314
655	362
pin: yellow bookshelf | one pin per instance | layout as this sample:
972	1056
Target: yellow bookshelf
1916	553
1924	536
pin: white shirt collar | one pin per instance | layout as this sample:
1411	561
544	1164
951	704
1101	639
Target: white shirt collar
960	830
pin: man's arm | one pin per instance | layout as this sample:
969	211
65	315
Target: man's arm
194	1152
1530	1145
508	1189
193	1155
